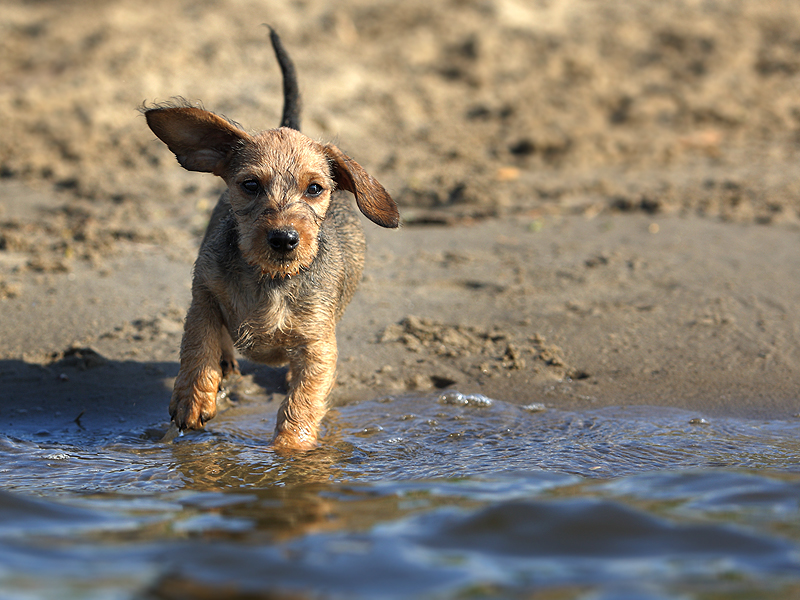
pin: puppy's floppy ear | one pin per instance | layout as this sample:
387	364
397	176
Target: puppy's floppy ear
200	140
372	199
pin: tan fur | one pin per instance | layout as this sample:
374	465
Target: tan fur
276	305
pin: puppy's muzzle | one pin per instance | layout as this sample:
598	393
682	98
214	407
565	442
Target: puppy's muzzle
283	240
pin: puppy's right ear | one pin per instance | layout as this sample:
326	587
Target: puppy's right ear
200	140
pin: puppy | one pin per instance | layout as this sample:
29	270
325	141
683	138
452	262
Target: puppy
280	260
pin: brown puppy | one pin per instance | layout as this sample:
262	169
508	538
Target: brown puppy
280	260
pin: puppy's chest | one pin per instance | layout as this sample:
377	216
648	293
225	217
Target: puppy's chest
271	317
258	319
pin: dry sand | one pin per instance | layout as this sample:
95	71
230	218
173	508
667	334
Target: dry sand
601	199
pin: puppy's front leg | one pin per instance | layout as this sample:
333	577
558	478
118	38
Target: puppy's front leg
194	397
313	370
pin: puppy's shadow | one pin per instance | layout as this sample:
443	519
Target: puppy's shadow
256	385
83	398
272	380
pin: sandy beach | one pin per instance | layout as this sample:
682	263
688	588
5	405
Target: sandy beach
600	203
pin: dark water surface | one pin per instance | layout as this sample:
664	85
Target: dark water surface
440	497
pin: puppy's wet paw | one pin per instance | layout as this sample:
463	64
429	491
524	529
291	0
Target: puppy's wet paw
294	439
194	399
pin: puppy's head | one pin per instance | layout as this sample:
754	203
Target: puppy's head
279	181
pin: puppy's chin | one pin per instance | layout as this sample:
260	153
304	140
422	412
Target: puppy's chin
282	267
281	270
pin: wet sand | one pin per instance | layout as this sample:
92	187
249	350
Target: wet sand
600	203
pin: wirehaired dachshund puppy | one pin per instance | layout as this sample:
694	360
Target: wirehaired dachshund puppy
279	262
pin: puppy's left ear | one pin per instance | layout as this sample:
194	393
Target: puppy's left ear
372	199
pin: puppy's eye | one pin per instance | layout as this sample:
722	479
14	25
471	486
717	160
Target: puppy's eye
251	186
314	190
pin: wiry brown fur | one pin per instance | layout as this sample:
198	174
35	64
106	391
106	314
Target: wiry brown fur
276	305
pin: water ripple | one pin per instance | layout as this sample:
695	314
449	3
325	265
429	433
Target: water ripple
438	496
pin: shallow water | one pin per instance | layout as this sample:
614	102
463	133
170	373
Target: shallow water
418	497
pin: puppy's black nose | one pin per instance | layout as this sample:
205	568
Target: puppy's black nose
283	240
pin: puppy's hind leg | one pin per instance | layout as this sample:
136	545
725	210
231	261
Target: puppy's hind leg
228	361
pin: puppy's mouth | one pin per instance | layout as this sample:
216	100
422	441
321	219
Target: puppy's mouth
275	265
279	265
283	269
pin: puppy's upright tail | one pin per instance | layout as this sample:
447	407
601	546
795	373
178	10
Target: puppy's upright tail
291	91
